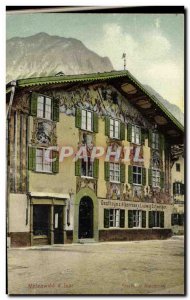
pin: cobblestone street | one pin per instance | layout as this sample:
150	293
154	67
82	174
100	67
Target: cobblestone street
138	267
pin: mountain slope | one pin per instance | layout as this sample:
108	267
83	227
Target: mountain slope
44	55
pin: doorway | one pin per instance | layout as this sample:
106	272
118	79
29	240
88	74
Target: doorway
85	218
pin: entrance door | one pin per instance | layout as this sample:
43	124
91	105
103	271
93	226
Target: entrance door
58	224
85	218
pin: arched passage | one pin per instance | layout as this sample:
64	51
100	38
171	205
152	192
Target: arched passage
85	215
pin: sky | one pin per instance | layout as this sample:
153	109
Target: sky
153	43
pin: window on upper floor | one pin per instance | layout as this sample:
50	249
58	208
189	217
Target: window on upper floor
178	188
136	135
137	175
44	107
114	172
155	140
87	168
177	167
87	120
43	160
155	178
114	129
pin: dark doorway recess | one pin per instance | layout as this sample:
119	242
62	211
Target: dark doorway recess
58	224
86	218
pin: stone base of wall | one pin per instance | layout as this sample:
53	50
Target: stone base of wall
134	234
69	237
40	241
19	239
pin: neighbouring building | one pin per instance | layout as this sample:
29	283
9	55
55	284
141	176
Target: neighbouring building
106	199
178	189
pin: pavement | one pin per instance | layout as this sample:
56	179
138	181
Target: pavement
110	268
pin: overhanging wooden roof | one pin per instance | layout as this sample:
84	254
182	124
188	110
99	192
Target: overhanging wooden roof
150	107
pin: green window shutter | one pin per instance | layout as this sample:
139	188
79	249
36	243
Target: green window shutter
55	164
78	117
130	219
150	219
78	167
161	142
162	180
172	220
150	177
96	168
129	132
122	173
31	158
122	131
175	188
122	218
95	122
150	138
144	176
130	174
106	171
181	219
143	219
106	218
107	126
162	219
55	109
33	104
182	188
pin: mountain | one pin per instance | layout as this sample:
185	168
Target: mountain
174	109
45	55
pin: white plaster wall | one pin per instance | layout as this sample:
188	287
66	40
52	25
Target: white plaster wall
17	213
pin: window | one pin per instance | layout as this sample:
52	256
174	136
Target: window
86	120
114	172
155	140
177	167
42	162
41	220
177	219
137	175
156	219
44	107
114	218
137	218
114	129
178	188
87	167
136	134
155	178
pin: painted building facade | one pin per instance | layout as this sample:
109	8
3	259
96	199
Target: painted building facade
69	200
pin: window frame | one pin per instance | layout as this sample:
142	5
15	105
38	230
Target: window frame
136	173
43	161
87	165
157	219
154	170
86	120
114	180
44	107
155	141
114	129
134	134
137	218
115	214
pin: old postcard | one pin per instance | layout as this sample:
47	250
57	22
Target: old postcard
95	151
